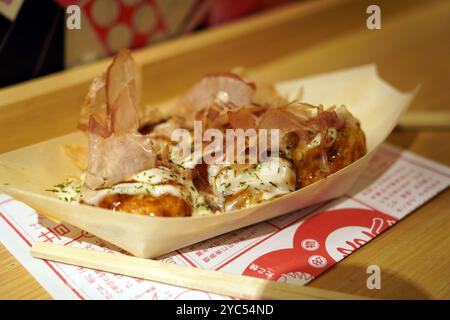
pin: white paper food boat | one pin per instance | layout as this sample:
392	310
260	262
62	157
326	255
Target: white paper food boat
26	173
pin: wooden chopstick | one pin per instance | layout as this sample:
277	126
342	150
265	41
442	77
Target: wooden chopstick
421	120
221	283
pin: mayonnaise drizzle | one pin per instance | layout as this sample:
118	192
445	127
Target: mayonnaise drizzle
270	178
155	182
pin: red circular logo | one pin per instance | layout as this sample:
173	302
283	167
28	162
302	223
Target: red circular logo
321	241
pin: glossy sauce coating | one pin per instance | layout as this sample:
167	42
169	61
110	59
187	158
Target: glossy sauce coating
348	147
166	205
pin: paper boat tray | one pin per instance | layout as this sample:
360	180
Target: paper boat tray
26	173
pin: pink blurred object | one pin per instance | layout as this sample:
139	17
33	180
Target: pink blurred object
109	25
214	12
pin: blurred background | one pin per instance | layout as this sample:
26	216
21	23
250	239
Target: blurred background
34	40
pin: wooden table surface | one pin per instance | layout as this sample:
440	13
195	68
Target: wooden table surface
411	48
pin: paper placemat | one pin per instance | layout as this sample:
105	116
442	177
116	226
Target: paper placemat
293	248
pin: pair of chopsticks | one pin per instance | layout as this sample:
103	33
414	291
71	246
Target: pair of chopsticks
221	283
422	120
